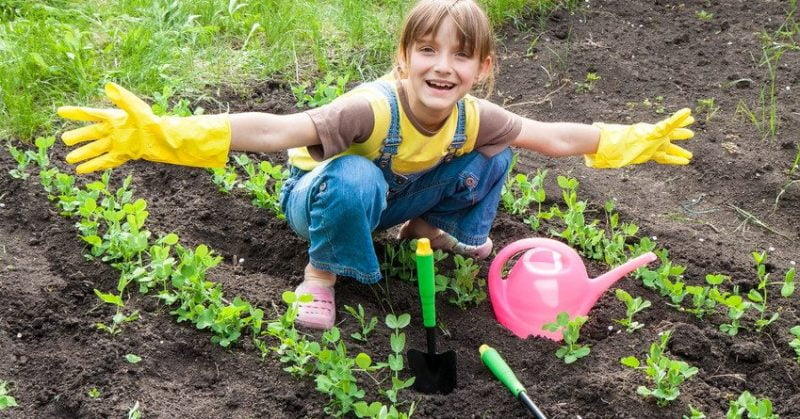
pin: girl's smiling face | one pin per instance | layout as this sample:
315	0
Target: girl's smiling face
439	73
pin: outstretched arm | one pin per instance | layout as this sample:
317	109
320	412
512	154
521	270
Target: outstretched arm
611	145
131	131
264	132
557	139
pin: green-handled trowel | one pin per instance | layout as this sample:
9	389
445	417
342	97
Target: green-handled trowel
500	369
436	373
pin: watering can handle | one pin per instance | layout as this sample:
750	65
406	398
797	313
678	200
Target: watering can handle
512	249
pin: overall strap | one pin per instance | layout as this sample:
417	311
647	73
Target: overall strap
460	138
393	138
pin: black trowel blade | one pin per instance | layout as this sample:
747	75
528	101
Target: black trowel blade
435	373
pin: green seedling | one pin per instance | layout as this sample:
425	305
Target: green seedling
519	192
706	107
225	178
754	407
795	343
704	299
335	376
632	306
694	414
135	411
465	284
790	178
591	240
587	85
23	160
94	393
737	306
379	410
758	296
133	358
119	318
397	342
366	325
6	400
666	374
294	349
704	15
657	104
264	182
571	351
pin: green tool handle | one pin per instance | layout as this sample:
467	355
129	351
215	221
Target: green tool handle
425	274
497	365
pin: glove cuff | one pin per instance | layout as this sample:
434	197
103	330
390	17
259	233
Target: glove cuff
197	141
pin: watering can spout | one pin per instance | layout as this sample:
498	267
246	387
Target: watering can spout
605	281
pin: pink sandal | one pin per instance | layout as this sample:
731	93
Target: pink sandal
319	313
449	243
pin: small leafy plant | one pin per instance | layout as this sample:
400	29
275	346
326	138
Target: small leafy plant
795	343
632	306
366	325
571	351
706	106
666	374
94	393
467	287
694	414
397	342
587	85
704	15
23	160
225	178
6	400
264	182
754	407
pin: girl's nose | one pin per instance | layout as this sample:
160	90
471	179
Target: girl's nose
442	64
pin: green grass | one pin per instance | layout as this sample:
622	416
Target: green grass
55	52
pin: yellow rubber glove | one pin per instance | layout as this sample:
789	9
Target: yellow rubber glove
621	145
134	132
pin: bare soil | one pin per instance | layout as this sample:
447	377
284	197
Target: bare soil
52	354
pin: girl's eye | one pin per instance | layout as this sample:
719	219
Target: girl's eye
426	49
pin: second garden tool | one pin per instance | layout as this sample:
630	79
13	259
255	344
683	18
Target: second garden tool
497	365
436	373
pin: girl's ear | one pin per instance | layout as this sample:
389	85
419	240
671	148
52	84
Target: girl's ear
402	65
486	68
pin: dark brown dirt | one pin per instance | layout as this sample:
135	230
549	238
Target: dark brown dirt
52	354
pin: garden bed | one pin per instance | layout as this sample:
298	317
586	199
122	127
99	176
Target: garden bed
653	58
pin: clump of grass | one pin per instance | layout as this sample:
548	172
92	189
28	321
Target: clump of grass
52	56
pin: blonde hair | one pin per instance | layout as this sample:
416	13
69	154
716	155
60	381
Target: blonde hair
475	31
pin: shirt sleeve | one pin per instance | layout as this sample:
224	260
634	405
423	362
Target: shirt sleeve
497	129
339	124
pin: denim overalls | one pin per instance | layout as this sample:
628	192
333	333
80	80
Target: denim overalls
337	205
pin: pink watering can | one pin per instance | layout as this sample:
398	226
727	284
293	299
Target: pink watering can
547	279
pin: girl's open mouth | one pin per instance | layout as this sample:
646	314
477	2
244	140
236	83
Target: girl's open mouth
438	85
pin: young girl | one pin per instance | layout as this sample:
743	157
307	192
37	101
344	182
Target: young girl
412	148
